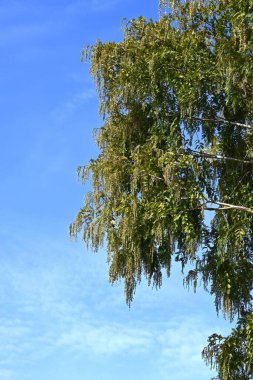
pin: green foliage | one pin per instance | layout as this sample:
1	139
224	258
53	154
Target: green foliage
176	97
232	356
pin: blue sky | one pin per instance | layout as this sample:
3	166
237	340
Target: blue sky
59	318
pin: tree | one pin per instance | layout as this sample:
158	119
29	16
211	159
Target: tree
174	177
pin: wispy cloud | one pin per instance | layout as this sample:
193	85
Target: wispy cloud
57	295
91	6
63	111
25	22
12	8
107	339
181	345
30	20
175	347
6	374
23	32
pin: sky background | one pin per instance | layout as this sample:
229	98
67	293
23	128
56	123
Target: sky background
59	317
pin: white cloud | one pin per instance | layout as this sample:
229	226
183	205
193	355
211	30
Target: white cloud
181	345
107	339
36	19
63	303
26	21
174	347
23	32
91	6
6	374
10	8
62	112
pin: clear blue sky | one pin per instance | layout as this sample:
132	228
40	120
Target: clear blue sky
60	320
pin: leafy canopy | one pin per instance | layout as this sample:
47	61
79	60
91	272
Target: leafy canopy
174	177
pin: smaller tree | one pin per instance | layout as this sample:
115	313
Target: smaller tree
233	355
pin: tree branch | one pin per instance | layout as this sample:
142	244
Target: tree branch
224	207
241	125
219	157
232	207
204	208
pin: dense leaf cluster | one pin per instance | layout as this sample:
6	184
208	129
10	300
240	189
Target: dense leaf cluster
174	179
